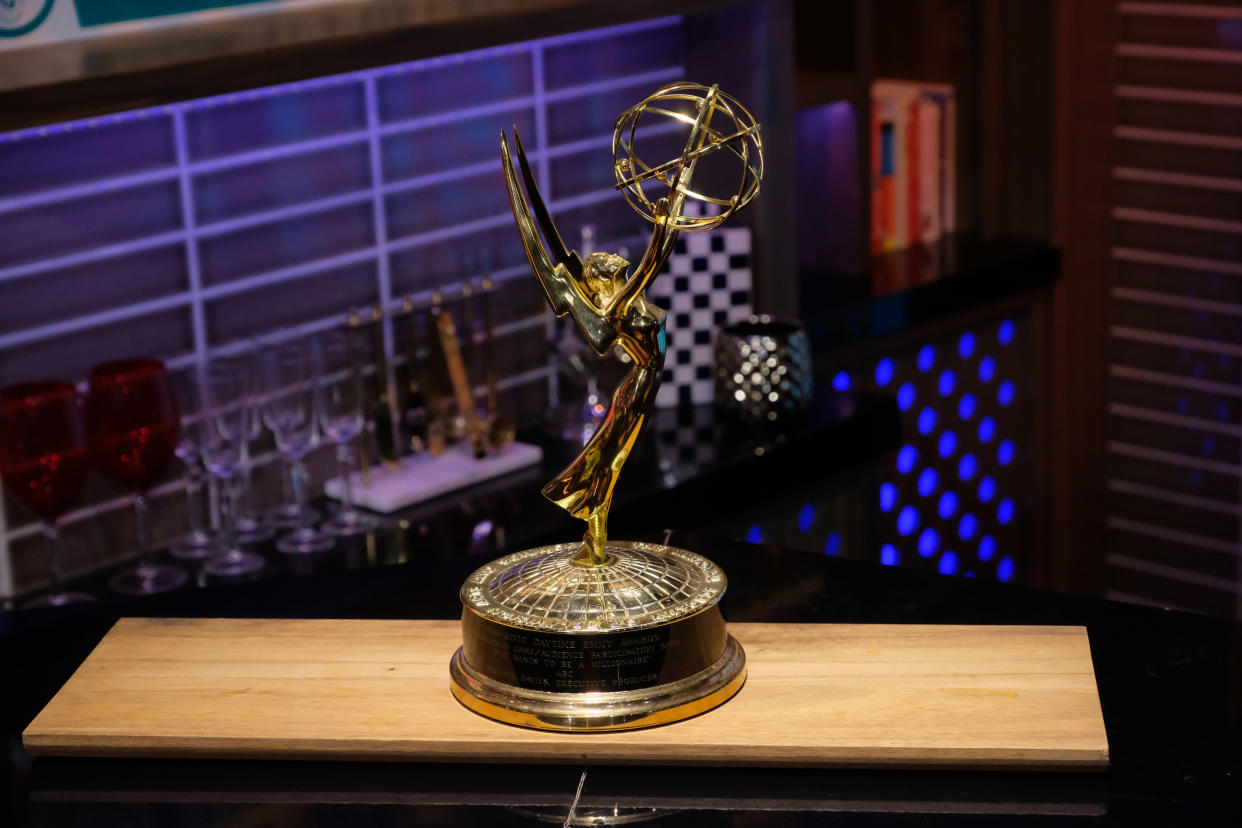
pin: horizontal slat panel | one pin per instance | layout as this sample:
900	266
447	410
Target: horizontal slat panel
1178	30
1156	585
1218	327
1215	408
1179	116
1219	203
1138	464
1162	495
1168	545
1179	74
1220	450
1184	241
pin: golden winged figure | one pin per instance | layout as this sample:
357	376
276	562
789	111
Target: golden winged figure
609	306
607	301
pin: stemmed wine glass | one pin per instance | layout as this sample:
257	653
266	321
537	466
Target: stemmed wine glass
249	526
43	462
199	544
289	411
229	410
340	416
133	427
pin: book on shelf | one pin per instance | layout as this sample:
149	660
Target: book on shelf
913	187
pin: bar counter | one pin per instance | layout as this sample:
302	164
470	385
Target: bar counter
1168	683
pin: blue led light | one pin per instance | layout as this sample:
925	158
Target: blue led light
946	382
1005	511
927	420
987	489
966	467
806	518
841	381
928	480
966	345
968	574
1183	405
1209	446
966	406
927	358
889	555
755	535
906	458
967	526
947	444
905	396
833	545
986	430
947	505
883	372
929	542
888	496
1004	569
1005	452
1005	392
987	547
987	369
1004	334
948	562
907	520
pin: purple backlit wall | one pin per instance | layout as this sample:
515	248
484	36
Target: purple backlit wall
200	228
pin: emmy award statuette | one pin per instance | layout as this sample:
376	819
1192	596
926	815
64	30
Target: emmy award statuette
603	634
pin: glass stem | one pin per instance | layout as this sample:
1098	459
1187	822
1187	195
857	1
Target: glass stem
146	556
232	511
288	481
50	537
298	478
345	460
193	499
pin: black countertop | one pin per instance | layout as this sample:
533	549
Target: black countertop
1170	687
919	285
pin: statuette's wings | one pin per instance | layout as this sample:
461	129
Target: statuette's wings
562	279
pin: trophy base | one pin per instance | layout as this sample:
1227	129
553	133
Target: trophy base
552	644
600	711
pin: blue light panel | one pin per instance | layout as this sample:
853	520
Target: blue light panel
986	430
947	504
967	526
806	518
905	396
929	542
883	372
1004	334
987	369
1005	511
928	480
966	406
1005	569
927	420
755	535
907	520
927	358
906	458
947	444
841	381
987	489
1005	392
946	382
833	545
987	548
966	467
889	555
948	563
966	345
1005	452
888	496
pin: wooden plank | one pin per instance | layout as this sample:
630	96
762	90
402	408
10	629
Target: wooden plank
818	695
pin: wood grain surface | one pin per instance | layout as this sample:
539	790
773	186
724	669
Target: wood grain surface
818	695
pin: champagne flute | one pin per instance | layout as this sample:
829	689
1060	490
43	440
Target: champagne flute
229	408
340	416
43	463
133	427
289	411
249	527
198	544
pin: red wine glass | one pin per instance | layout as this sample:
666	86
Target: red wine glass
43	462
133	426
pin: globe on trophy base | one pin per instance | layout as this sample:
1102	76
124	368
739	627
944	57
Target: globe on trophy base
609	635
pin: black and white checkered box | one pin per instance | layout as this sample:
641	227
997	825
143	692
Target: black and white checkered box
705	286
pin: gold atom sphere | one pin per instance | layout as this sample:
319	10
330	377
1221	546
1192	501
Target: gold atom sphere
717	121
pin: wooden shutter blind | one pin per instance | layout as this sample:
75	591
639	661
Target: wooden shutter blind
1175	373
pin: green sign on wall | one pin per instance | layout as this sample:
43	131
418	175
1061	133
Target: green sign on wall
101	12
